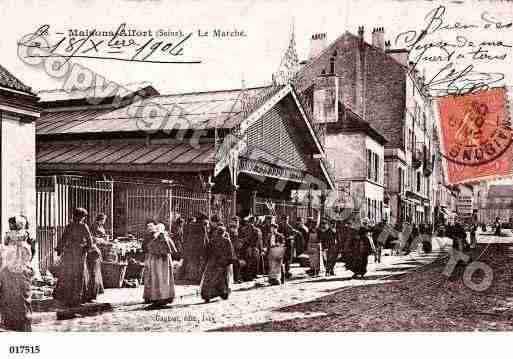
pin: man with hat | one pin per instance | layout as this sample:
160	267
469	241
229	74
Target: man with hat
238	246
251	237
328	238
302	237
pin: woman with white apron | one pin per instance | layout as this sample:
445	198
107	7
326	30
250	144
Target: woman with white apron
275	256
315	250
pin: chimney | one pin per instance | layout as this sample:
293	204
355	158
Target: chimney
325	99
317	44
378	37
360	32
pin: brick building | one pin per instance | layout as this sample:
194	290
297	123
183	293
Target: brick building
376	83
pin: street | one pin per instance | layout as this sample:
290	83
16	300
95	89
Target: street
401	293
249	305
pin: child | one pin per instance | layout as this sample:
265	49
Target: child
15	287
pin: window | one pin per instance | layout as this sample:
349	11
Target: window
418	182
368	208
369	164
401	179
376	168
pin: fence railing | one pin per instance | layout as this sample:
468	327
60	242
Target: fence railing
166	203
56	197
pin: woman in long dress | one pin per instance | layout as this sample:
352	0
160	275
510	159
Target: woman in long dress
277	252
361	249
194	249
94	268
217	278
15	287
73	275
159	284
315	249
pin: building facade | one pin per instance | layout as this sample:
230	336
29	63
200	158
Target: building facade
18	113
377	84
499	203
465	202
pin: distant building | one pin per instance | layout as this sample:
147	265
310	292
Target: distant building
465	202
499	203
377	84
480	200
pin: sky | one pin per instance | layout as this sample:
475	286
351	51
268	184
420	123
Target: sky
226	62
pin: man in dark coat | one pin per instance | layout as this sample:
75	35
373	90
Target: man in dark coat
376	231
239	263
458	236
328	237
302	237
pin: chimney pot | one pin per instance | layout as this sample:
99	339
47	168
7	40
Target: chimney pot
317	44
360	32
378	38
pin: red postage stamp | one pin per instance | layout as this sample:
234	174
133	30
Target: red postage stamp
476	136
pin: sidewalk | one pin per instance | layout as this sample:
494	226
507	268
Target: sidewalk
116	299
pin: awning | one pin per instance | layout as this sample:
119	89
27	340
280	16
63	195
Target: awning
125	157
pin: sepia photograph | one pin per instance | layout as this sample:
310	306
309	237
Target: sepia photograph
255	166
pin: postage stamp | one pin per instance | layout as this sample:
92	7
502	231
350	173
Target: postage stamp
476	136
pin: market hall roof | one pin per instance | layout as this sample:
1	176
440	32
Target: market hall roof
122	156
198	110
205	110
59	97
9	81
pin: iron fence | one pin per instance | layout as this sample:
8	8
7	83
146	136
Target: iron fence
56	197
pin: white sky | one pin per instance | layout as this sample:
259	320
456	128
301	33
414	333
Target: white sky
225	61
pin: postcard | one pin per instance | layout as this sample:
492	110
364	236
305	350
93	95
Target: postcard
253	166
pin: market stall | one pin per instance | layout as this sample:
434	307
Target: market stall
123	259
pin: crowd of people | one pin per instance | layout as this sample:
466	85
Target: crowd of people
210	253
267	246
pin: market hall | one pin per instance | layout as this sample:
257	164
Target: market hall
148	145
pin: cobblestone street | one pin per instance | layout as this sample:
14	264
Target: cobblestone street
248	305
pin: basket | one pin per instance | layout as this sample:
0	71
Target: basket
113	274
108	252
134	271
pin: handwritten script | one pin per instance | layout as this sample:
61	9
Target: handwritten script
119	45
444	46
